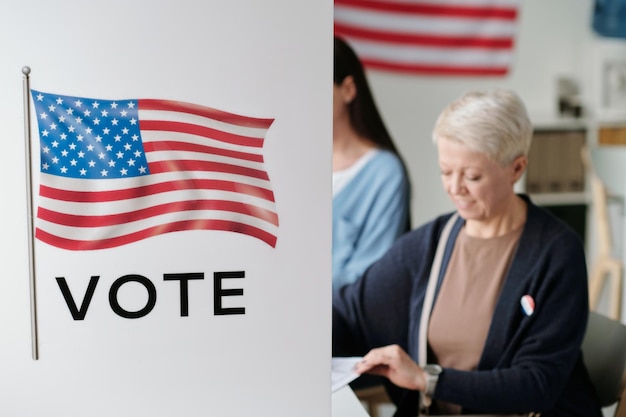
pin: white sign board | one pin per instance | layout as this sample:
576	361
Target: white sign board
174	276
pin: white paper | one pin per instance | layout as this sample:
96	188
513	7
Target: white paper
343	371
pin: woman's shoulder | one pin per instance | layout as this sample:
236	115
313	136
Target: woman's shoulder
384	163
543	222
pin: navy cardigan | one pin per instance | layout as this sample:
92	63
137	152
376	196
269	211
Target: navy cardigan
529	363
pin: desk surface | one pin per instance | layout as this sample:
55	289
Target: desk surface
346	404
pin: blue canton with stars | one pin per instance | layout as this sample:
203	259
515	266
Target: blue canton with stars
89	138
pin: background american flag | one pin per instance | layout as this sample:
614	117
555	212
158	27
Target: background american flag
431	37
115	172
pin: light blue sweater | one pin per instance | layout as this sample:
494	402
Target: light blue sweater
369	214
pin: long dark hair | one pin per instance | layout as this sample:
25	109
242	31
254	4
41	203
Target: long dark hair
363	112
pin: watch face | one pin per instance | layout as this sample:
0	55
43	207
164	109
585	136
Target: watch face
433	369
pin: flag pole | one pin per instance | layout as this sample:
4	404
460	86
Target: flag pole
29	211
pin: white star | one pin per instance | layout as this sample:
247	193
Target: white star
59	101
63	152
39	97
81	154
123	171
53	126
118	138
63	170
127	146
69	110
55	144
95	104
104	113
96	121
45	166
51	107
44	133
142	169
135	138
120	155
114	122
73	162
123	113
91	164
133	121
109	148
88	131
125	131
78	103
131	105
45	149
87	113
43	115
62	119
131	162
71	129
104	172
80	138
63	136
83	171
114	105
55	160
98	138
90	147
106	131
101	155
72	146
79	120
137	154
111	163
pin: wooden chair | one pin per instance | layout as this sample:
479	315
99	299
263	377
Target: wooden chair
605	266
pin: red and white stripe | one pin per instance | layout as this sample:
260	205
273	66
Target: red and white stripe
437	37
206	173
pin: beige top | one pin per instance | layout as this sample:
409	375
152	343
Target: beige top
464	308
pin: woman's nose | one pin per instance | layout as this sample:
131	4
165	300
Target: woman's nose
456	184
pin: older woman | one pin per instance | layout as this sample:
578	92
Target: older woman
483	310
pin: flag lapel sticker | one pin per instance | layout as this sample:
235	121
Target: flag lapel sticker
432	37
115	172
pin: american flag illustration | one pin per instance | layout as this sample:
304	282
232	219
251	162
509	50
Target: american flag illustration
114	172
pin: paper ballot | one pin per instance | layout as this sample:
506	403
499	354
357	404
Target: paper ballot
343	371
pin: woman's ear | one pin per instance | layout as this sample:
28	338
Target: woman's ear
348	89
518	167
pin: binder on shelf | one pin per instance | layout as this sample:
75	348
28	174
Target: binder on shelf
555	165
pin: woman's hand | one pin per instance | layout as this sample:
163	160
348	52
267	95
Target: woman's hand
396	365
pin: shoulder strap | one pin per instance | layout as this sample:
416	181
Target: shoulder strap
430	289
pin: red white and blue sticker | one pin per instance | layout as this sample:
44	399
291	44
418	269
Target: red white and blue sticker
528	305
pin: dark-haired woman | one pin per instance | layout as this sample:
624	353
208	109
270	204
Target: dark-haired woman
371	189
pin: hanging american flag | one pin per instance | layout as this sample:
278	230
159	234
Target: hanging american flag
115	172
436	37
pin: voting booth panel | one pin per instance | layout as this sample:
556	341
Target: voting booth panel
180	205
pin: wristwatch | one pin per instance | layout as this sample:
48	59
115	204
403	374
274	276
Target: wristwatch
432	371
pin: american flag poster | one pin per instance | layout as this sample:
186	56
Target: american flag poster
114	172
431	37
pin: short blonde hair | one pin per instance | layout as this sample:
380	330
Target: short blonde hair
492	122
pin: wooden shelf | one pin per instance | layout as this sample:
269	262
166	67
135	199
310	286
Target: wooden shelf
558	199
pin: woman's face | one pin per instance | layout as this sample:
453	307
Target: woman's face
479	187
